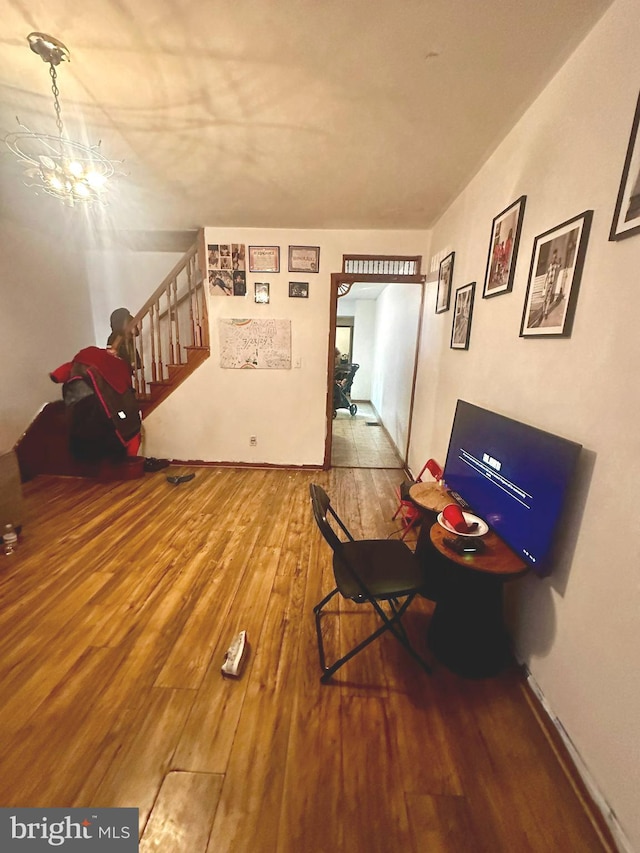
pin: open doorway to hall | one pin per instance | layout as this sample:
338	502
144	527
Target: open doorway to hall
376	326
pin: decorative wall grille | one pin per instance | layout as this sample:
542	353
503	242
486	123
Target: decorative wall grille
381	265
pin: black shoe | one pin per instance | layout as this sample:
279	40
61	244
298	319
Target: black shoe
184	479
153	464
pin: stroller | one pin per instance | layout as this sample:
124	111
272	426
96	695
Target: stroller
343	380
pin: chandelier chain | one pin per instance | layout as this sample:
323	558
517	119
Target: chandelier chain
56	102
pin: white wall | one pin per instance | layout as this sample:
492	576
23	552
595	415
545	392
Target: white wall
211	416
363	347
45	316
123	278
579	630
364	313
397	318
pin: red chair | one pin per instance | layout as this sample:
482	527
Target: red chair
409	512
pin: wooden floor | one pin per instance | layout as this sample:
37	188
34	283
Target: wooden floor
360	441
115	614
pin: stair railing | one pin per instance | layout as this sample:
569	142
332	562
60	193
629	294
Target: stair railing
171	321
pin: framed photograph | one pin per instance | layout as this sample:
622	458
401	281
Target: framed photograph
304	258
503	249
299	289
261	291
445	277
220	283
239	283
626	218
462	313
264	258
554	278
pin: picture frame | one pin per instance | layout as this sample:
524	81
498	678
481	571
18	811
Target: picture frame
626	216
261	292
264	258
462	315
445	279
557	261
304	259
299	289
503	249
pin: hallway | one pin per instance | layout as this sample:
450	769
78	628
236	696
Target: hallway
361	442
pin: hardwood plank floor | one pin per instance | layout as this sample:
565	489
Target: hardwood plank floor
115	613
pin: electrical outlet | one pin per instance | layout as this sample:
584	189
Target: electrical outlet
253	440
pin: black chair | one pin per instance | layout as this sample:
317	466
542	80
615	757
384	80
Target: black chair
367	571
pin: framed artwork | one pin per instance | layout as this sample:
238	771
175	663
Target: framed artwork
304	259
299	289
503	249
554	278
264	258
445	277
626	217
462	313
261	292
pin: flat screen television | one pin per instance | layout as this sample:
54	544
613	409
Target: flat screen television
512	475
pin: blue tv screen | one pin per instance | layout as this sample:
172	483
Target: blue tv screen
512	475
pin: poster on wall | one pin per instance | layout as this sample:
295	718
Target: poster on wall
227	269
503	249
554	278
626	218
462	314
255	344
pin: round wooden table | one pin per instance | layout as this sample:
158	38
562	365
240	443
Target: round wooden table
430	496
467	631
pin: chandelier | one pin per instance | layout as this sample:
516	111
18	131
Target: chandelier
69	171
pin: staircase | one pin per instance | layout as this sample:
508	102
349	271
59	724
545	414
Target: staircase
171	335
171	330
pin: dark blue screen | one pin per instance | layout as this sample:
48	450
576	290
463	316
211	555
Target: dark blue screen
512	475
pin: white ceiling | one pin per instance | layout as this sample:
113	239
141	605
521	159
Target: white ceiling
280	113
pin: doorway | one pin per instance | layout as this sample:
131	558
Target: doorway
376	325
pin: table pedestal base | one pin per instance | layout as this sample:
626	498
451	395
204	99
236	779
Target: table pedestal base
467	631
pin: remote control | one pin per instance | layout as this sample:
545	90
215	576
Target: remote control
234	655
458	498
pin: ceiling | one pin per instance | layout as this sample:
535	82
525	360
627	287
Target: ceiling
370	114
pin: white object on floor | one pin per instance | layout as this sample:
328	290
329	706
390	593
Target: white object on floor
234	655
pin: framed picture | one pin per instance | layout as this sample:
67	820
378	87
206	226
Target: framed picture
554	278
299	289
264	258
261	291
503	249
462	313
304	259
626	218
445	277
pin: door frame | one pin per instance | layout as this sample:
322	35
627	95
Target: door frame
340	280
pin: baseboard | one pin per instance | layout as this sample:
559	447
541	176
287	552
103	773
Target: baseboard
600	813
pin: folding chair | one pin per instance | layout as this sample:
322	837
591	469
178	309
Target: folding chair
367	571
407	509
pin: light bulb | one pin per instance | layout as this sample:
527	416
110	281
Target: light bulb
75	168
95	180
81	189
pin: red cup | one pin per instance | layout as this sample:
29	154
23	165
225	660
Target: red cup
452	514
